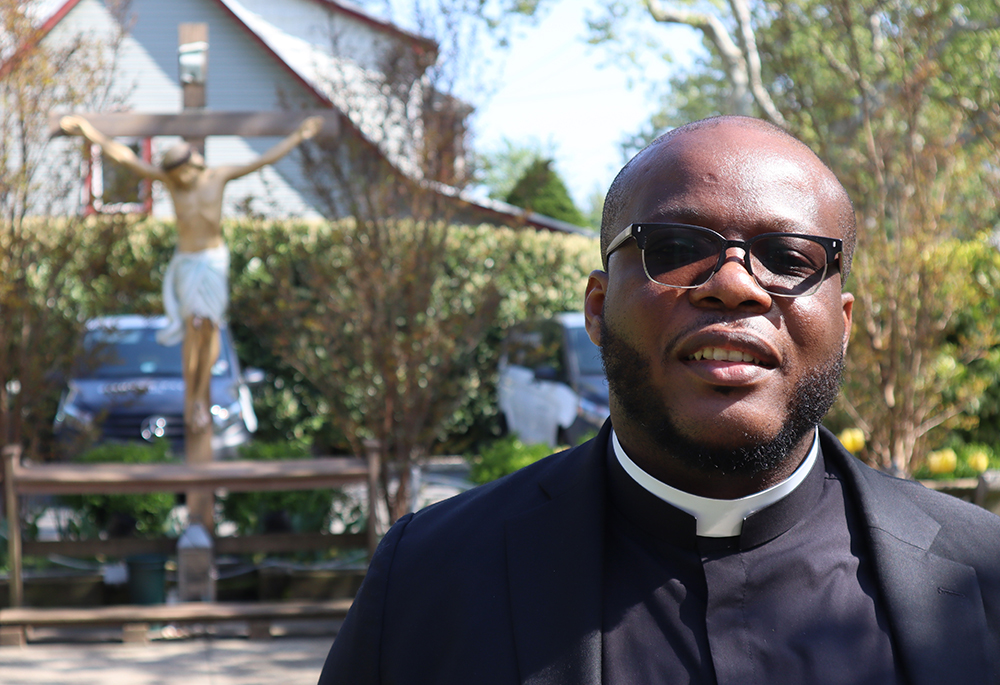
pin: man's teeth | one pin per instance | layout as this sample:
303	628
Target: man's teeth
717	354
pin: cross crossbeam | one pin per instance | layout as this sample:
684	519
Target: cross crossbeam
202	123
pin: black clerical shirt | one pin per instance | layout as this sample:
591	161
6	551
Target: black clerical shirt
792	599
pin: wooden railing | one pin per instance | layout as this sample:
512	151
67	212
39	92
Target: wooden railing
233	476
983	491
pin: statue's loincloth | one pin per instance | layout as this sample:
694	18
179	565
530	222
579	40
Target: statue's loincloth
196	284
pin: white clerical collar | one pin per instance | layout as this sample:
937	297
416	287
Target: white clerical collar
717	518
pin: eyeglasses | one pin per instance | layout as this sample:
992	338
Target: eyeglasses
682	256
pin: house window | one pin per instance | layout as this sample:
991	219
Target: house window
113	189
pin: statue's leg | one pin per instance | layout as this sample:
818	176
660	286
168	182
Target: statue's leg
201	349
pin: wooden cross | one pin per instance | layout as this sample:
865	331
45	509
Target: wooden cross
194	124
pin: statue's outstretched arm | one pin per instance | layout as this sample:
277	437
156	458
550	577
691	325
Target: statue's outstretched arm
75	125
306	130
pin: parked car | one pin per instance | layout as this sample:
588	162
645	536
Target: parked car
130	387
552	388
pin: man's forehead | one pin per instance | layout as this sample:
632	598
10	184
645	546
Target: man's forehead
722	145
731	156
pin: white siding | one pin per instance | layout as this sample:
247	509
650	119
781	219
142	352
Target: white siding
242	76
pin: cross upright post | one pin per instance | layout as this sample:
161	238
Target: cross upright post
192	60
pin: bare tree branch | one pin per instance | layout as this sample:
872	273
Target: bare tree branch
741	10
742	64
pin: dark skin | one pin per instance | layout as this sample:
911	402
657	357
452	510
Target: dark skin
739	181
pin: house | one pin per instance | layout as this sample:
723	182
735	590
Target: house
263	56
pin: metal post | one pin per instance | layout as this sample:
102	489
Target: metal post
12	457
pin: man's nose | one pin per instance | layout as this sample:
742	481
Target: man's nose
732	286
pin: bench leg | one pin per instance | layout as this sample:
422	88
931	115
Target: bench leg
260	630
13	636
135	633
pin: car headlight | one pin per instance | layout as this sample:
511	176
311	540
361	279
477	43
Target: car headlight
225	416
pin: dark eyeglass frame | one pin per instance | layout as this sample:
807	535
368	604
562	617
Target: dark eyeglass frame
834	248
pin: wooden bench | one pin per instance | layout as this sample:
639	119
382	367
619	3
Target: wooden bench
83	479
135	620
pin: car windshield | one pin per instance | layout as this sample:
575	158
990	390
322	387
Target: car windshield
588	354
132	352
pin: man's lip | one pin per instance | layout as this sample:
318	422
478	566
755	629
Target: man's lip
730	341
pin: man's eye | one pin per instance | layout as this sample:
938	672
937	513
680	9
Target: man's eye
789	260
675	253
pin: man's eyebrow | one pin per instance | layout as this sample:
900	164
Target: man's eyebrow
678	215
682	214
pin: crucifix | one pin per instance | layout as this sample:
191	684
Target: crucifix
195	288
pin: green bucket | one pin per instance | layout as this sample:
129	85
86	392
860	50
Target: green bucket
147	578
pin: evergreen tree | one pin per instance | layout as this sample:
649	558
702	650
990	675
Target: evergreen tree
541	190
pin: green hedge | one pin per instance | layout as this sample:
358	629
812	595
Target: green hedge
543	273
117	267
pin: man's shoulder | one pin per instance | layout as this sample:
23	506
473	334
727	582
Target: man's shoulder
895	504
510	496
462	540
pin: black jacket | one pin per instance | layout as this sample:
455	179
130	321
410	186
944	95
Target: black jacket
502	584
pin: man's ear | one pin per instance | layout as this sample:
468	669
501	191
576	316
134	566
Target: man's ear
593	304
847	301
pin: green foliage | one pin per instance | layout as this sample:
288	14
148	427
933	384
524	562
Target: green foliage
117	265
504	456
45	263
539	189
275	261
299	511
500	168
55	274
145	516
899	111
966	467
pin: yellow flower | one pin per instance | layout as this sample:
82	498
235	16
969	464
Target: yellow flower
979	460
942	461
853	439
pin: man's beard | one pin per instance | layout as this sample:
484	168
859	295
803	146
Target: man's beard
629	381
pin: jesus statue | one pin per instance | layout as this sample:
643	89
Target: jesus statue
196	285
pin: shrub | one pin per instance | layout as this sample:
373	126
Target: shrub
299	511
144	515
504	456
969	459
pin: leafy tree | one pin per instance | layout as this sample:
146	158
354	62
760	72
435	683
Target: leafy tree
499	169
916	130
37	271
541	190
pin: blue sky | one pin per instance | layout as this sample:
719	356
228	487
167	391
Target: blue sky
568	95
